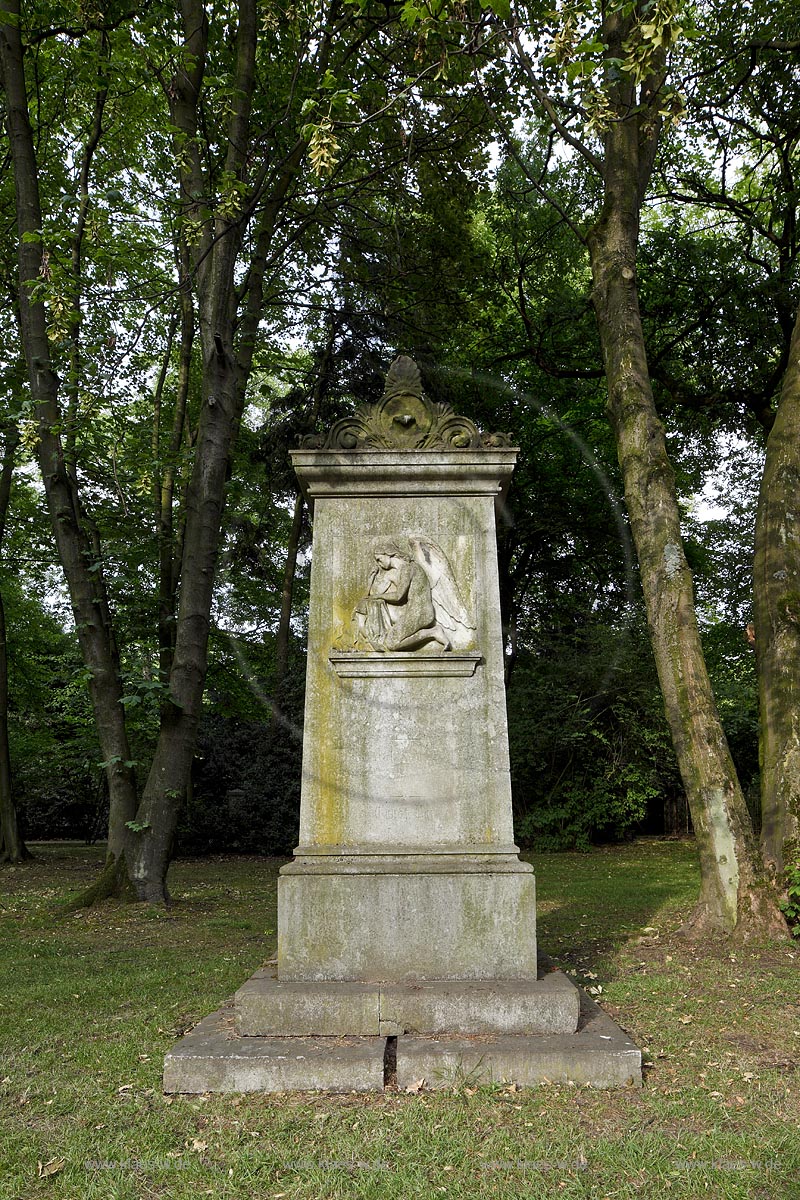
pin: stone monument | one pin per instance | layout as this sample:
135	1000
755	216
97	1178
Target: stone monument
406	921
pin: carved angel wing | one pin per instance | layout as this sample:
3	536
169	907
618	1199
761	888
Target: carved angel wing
451	610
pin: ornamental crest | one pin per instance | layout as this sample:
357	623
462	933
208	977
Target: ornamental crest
405	419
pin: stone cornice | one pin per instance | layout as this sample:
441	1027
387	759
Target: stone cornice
404	472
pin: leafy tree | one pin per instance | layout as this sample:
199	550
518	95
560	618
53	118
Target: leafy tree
599	77
248	101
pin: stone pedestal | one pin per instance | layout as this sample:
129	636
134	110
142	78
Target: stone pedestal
406	868
407	913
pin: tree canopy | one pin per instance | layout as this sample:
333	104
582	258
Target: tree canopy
580	220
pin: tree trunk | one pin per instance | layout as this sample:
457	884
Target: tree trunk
169	774
735	892
227	339
215	255
776	596
165	475
79	559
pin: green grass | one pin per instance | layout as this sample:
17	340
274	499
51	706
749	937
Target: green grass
90	1003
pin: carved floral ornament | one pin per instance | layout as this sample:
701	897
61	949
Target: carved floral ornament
405	419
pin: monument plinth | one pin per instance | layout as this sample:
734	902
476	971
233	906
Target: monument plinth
406	868
406	913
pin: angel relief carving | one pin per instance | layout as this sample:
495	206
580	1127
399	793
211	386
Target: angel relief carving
412	601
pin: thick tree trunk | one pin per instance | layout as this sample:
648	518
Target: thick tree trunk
735	893
776	596
226	371
78	555
165	475
215	255
169	775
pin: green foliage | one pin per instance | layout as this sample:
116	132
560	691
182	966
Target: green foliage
137	826
790	907
591	757
400	237
245	793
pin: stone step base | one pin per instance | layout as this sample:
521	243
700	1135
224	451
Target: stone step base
212	1058
600	1054
267	1006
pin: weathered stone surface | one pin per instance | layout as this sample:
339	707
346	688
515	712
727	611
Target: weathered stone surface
266	1006
405	749
354	664
599	1054
381	927
397	755
212	1059
407	906
544	1006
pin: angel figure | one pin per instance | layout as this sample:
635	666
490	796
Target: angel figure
411	599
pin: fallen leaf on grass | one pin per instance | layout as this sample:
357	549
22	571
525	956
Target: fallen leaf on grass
198	1146
416	1086
51	1168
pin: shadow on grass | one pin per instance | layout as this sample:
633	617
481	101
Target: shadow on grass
589	905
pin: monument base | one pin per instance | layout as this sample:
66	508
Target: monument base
214	1058
340	921
266	1006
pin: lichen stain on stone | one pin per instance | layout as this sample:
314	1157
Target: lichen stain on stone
673	559
328	810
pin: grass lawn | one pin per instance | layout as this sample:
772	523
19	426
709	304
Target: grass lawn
90	1003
